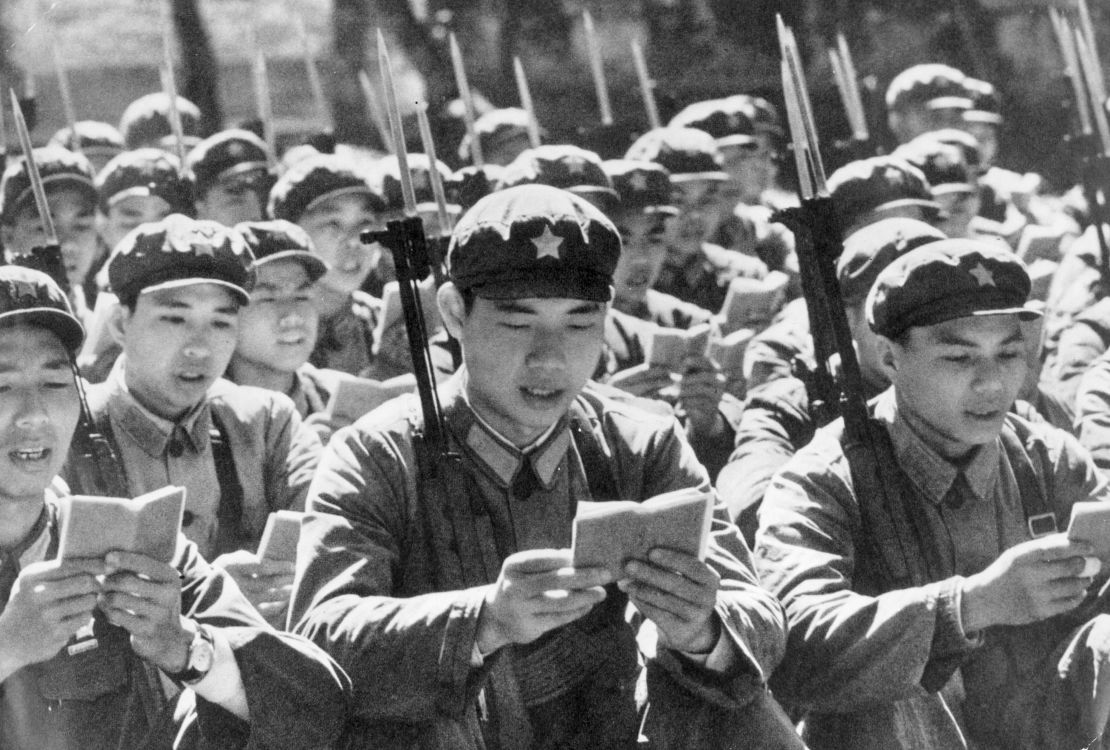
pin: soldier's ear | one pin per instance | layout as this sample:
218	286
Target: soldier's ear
118	322
888	356
451	308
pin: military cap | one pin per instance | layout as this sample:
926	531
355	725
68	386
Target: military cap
282	240
932	85
56	166
235	155
869	250
949	279
641	184
178	251
730	121
881	182
146	121
93	138
496	127
30	296
472	183
534	241
388	172
961	139
315	179
986	106
688	154
145	172
563	166
943	165
765	116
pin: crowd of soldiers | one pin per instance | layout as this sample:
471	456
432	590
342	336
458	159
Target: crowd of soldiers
599	329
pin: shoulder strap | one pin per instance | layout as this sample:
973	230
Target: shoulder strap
1019	442
597	464
229	515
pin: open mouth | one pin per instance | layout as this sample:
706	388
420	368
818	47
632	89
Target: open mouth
29	455
541	397
192	378
291	339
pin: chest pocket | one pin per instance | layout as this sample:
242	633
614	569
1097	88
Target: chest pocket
82	673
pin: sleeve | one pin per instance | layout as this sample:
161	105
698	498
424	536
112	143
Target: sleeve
751	618
845	649
348	589
1092	407
774	425
296	695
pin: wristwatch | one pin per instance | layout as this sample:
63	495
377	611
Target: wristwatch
202	652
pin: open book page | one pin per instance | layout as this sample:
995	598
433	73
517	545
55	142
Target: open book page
668	348
609	534
280	537
148	524
353	397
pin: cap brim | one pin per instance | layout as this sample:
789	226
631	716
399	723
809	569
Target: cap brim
349	190
68	329
314	265
737	140
903	202
947	188
551	283
695	176
978	115
240	293
949	102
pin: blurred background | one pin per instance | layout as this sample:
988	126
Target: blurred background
695	49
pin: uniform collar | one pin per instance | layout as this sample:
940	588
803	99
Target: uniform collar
929	471
148	430
491	449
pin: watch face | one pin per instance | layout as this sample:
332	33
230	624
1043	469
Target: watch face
202	654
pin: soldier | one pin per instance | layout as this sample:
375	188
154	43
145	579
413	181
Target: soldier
948	615
777	421
334	204
562	166
137	187
503	134
124	651
277	330
231	174
696	270
98	141
145	122
953	182
531	652
68	181
926	97
749	162
241	452
881	187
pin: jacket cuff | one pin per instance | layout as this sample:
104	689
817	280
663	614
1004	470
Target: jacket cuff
950	645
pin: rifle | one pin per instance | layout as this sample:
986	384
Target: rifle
453	549
859	145
817	233
1091	144
93	464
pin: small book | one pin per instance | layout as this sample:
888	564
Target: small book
393	311
753	303
668	348
280	537
728	351
354	397
148	524
609	534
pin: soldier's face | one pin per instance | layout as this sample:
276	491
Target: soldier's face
128	213
178	341
699	205
74	214
334	226
38	411
956	380
230	203
526	359
644	248
751	168
277	331
957	210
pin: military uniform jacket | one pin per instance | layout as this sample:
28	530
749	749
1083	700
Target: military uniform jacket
365	587
867	660
273	456
96	694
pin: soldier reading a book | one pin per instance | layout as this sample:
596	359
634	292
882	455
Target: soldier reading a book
469	573
121	650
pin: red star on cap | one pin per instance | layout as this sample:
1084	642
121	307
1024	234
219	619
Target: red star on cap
982	275
638	182
548	244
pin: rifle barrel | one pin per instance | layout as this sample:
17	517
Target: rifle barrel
37	189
